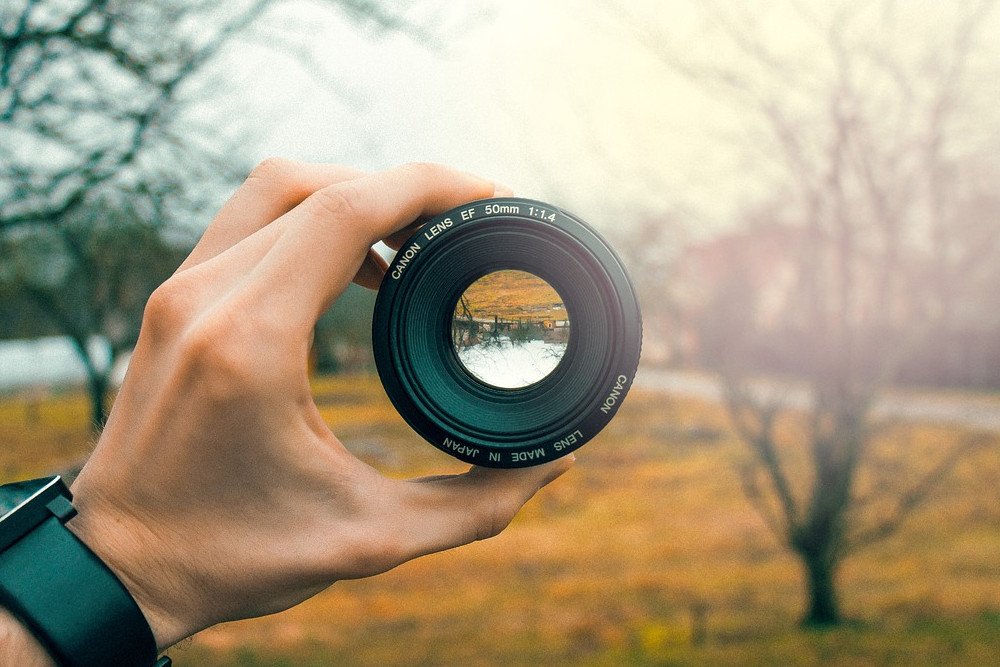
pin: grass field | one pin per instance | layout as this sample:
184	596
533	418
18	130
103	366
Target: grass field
644	553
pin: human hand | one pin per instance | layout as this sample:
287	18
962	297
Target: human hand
216	491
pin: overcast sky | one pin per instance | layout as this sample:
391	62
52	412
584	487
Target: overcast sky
557	99
553	99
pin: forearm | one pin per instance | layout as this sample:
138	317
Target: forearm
18	646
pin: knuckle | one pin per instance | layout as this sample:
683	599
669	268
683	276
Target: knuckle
494	516
373	544
335	202
217	358
167	308
361	552
230	354
374	556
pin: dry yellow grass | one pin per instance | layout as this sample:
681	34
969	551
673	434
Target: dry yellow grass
611	564
513	294
39	434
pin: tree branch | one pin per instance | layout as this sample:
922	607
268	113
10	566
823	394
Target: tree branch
755	495
916	495
762	443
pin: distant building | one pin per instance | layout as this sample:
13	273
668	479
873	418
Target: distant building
743	290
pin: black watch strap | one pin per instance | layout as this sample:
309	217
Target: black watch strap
69	599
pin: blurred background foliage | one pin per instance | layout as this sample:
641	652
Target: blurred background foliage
804	192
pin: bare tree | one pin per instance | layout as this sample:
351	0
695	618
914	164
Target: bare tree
99	126
873	180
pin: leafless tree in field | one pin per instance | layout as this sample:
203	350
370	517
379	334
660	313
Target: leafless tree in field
107	154
890	226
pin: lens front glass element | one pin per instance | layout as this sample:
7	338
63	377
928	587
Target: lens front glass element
510	329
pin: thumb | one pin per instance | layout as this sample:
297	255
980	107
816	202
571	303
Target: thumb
451	510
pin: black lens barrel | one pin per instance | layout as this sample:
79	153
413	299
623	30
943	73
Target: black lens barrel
417	363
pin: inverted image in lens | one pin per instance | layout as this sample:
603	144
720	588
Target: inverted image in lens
510	329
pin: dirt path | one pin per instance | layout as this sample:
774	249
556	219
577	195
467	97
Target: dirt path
966	409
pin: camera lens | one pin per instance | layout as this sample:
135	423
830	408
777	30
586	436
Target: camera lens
473	338
510	329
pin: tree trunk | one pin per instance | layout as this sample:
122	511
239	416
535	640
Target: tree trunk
824	607
97	385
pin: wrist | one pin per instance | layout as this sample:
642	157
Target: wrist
125	546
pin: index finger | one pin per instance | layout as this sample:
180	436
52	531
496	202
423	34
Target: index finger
274	187
399	237
325	239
